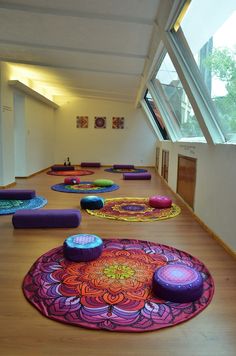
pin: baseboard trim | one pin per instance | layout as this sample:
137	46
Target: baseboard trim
7	186
203	225
34	174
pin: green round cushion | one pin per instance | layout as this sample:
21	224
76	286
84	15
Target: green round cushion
103	182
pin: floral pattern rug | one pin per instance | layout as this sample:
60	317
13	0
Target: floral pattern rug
113	292
134	209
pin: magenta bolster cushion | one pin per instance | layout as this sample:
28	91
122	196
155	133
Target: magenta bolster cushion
41	218
136	176
62	168
123	166
90	164
17	194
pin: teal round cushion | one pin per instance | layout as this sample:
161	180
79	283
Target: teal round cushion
91	202
103	182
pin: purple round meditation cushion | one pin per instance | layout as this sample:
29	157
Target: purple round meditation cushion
72	180
82	247
177	283
160	202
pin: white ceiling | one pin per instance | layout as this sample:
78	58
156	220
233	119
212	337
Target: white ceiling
85	48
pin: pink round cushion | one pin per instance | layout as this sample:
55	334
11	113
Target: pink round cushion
72	180
160	202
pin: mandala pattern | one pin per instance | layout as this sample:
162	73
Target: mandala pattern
134	209
125	170
113	292
11	206
78	172
83	187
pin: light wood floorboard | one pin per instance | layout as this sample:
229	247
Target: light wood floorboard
24	331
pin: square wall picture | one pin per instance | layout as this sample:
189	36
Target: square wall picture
100	122
82	122
118	122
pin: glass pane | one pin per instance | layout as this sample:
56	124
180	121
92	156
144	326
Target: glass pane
167	80
156	114
214	50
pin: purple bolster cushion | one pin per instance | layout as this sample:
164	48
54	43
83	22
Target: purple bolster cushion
15	194
136	176
38	218
62	168
123	166
90	164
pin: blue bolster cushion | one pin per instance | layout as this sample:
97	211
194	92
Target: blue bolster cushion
38	218
17	194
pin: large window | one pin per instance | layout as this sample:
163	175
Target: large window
169	86
210	31
156	115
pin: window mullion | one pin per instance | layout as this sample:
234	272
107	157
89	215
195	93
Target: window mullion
167	115
149	115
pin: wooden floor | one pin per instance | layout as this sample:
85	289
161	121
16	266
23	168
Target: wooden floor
24	331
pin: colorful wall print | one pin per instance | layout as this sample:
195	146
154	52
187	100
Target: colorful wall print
100	122
118	122
82	122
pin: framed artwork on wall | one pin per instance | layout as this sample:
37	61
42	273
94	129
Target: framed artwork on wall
118	122
100	122
82	122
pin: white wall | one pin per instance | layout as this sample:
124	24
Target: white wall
135	144
215	198
40	136
7	168
27	132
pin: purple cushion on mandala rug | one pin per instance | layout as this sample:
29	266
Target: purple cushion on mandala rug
59	167
177	283
123	166
90	164
137	176
82	247
17	194
41	218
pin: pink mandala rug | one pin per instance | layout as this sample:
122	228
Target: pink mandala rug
113	292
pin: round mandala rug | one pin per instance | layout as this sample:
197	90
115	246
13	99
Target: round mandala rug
78	172
134	209
11	206
113	292
125	170
83	187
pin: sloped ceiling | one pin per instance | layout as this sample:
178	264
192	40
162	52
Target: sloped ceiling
79	48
